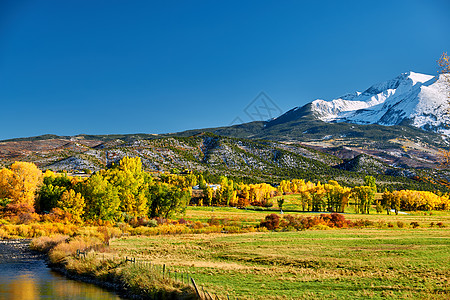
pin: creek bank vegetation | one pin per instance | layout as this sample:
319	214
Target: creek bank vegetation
86	256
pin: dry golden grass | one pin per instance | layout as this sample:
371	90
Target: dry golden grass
45	243
65	249
34	230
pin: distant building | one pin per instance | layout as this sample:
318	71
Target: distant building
213	186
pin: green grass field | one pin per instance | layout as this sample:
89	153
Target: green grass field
252	217
364	263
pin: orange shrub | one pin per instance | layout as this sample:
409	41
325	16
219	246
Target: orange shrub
45	243
61	251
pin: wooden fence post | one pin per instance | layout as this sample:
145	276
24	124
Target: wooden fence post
209	295
196	289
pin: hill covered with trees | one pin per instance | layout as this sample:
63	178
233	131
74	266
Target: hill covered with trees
246	160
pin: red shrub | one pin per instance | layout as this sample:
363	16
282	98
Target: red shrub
271	222
414	224
302	223
334	220
182	221
242	202
14	209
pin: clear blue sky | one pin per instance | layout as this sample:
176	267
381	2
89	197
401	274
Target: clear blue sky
102	67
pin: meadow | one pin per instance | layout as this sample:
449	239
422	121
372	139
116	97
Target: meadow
376	262
401	256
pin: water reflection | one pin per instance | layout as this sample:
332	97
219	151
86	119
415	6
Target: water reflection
23	287
32	279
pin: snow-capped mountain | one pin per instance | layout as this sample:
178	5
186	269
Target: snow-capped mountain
412	98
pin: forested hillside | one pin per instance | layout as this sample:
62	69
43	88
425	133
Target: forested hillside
243	160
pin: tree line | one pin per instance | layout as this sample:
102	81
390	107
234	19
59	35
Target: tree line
125	192
120	193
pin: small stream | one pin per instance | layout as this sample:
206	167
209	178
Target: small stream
24	275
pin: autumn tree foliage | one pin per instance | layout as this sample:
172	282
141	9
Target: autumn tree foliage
259	194
72	203
330	196
226	194
131	183
167	199
183	181
414	200
102	199
123	192
53	186
305	196
363	197
337	196
127	192
208	193
6	183
20	183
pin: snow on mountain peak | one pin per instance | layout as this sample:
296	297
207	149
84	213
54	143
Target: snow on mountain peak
418	77
418	99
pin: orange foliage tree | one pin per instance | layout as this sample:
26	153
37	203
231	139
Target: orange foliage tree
20	183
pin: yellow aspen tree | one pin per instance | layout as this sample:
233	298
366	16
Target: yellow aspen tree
6	183
27	179
305	198
72	203
318	195
130	180
337	196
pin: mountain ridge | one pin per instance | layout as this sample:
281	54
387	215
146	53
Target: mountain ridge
246	160
411	98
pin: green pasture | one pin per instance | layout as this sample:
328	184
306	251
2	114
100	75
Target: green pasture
242	217
370	263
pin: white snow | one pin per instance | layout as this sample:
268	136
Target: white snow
412	96
419	78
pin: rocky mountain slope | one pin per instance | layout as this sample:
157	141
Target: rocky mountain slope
411	98
242	159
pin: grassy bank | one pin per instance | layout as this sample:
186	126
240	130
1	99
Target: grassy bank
88	258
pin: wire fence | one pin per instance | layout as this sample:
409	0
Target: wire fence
160	270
